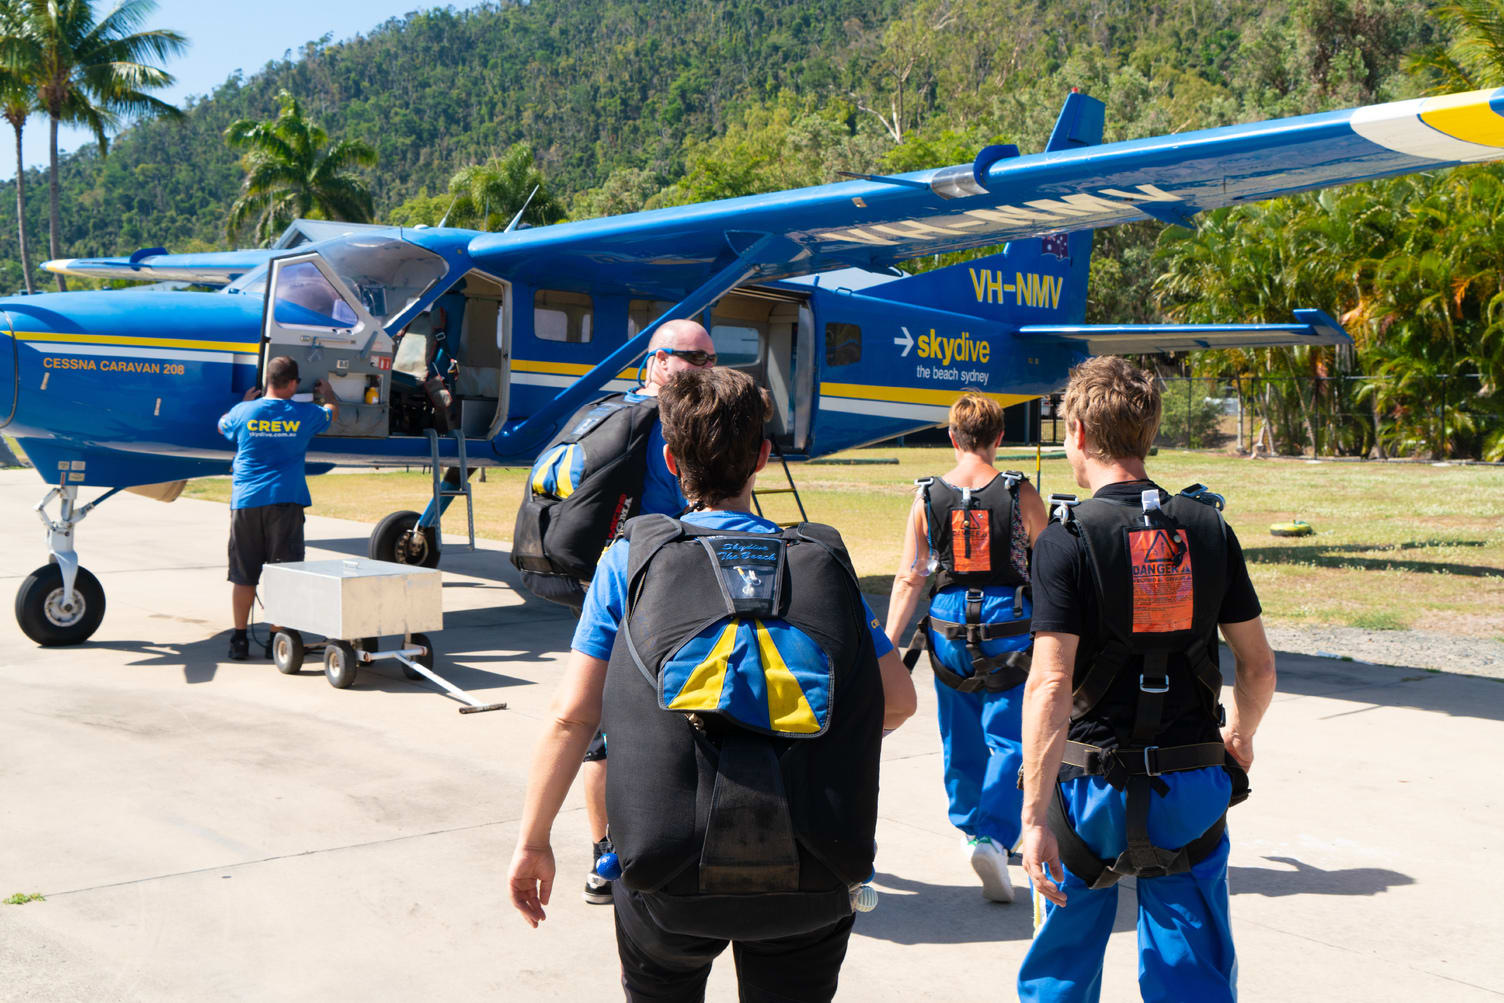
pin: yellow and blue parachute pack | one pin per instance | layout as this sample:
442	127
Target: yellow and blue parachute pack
582	489
744	708
750	667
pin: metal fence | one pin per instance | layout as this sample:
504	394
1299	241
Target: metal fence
1449	417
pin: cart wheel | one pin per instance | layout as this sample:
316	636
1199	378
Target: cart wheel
424	660
339	664
287	651
369	644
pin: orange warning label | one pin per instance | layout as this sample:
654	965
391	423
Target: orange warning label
970	542
1161	561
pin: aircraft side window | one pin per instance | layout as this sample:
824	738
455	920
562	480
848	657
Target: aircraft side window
562	316
736	344
641	313
843	344
306	299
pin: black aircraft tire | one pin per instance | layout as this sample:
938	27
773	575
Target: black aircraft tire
40	613
339	664
424	660
397	539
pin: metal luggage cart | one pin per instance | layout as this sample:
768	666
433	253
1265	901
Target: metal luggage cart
353	603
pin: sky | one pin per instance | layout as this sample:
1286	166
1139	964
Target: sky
223	36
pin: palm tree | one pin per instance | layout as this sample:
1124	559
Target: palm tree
487	196
290	174
1474	58
93	73
18	96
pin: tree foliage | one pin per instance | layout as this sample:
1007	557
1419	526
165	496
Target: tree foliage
292	171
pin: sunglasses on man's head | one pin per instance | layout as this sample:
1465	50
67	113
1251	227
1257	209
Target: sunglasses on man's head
693	356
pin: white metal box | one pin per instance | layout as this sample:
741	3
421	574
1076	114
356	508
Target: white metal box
352	598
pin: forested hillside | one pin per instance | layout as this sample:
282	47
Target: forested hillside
627	104
617	86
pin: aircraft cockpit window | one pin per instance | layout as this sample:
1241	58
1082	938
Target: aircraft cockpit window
388	275
843	344
736	344
306	299
562	316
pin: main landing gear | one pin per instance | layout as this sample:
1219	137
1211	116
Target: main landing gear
411	538
61	602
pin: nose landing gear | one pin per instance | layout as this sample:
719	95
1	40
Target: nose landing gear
60	602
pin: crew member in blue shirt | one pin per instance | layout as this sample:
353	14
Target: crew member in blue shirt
677	345
271	435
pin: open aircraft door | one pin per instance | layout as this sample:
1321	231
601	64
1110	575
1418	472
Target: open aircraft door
769	334
329	308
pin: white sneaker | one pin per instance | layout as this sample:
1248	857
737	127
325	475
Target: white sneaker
991	864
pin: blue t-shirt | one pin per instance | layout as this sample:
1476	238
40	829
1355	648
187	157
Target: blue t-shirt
271	439
660	488
606	602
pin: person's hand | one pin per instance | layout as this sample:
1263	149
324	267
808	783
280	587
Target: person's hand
531	880
1239	747
1042	862
323	389
252	393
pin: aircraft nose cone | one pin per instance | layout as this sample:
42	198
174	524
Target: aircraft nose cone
7	372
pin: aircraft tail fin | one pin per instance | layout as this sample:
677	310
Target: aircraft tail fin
1036	280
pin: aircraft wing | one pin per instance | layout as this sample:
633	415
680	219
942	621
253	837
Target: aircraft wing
1311	327
154	264
1002	196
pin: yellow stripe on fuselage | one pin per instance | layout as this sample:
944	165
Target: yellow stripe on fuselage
1465	116
123	341
908	395
564	368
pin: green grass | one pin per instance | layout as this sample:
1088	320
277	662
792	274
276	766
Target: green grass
1395	545
1380	620
21	898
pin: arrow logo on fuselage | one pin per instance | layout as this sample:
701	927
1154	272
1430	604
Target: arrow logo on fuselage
907	341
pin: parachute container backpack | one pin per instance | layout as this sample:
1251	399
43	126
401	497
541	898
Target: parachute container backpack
745	711
1157	568
582	489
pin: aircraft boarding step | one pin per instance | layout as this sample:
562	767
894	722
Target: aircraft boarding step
444	486
790	490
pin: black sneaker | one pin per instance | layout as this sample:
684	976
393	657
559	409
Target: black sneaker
267	652
240	647
597	889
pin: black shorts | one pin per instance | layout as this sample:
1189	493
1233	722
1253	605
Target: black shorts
266	534
671	967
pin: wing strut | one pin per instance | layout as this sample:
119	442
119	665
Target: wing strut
767	249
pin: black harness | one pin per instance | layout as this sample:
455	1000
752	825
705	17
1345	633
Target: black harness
950	515
1156	571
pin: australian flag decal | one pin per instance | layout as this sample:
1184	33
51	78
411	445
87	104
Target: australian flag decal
1056	244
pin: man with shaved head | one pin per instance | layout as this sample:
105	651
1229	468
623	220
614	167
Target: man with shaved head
677	345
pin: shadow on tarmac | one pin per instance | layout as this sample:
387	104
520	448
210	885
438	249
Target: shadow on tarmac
1299	878
915	912
1370	686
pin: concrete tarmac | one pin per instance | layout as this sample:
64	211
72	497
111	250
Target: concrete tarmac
211	830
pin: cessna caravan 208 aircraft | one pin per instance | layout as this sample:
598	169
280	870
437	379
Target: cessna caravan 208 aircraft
121	389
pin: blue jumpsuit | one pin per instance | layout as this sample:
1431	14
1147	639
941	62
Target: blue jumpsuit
980	731
1185	948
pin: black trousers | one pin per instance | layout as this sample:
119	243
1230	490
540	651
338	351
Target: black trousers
664	967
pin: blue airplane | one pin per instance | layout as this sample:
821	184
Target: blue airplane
121	389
